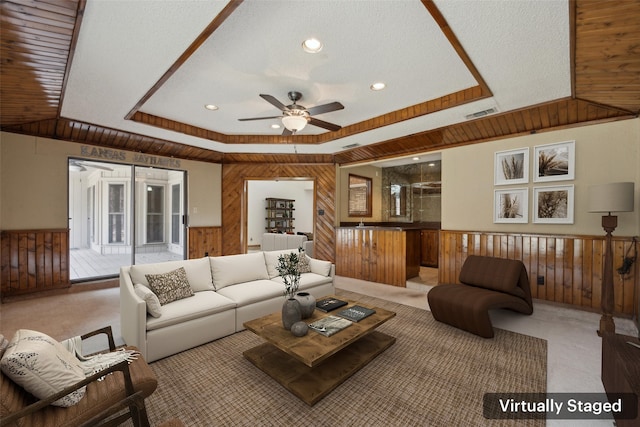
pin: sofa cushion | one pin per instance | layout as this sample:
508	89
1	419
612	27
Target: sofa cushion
498	274
231	269
154	307
271	260
170	286
320	267
307	280
198	272
42	366
250	292
199	305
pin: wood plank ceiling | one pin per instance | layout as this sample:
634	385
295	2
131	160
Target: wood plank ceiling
37	45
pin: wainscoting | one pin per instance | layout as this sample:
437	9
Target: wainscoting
34	261
571	266
205	241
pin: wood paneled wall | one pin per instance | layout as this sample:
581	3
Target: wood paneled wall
234	215
205	241
34	260
571	265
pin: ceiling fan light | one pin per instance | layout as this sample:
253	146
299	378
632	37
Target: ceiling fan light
294	123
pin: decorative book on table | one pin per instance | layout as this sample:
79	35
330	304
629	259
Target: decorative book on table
328	304
356	313
330	325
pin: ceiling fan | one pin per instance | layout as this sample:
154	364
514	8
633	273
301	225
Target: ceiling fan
295	117
80	166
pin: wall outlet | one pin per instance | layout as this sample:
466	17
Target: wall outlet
540	280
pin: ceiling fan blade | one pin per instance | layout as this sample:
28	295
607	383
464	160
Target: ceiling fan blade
286	132
325	108
323	124
259	118
273	101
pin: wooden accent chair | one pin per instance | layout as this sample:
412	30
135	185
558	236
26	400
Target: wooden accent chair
112	396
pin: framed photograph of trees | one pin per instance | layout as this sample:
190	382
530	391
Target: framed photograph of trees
511	167
554	162
511	206
553	205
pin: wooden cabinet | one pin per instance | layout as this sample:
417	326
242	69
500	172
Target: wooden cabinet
378	254
621	369
279	216
429	248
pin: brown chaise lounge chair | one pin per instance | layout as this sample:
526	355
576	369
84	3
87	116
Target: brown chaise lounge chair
486	283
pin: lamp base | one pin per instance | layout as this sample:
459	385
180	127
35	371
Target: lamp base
606	325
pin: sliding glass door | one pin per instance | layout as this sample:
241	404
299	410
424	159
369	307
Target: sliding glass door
122	215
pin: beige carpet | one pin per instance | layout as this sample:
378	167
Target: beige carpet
434	375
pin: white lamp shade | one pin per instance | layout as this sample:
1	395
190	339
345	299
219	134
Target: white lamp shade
294	123
614	197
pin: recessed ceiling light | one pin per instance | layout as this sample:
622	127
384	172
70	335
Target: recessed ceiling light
378	86
416	159
211	107
432	164
312	45
275	126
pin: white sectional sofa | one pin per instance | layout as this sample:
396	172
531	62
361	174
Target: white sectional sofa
227	291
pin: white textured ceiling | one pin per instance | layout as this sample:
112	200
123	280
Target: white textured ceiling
519	47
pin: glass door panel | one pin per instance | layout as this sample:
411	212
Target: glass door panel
123	215
159	204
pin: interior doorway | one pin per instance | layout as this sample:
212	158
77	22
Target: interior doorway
123	215
301	190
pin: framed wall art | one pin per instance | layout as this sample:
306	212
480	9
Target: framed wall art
554	162
511	206
511	167
553	204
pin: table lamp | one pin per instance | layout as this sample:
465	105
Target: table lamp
613	197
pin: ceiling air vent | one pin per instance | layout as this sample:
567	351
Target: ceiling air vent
346	147
480	113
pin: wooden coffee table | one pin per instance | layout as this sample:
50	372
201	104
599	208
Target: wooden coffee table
312	366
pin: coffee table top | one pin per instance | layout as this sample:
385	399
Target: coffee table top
314	347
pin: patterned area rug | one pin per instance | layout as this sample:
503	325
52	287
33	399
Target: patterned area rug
434	375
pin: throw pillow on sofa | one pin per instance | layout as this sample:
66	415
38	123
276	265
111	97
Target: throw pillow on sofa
303	263
42	366
198	272
170	286
154	307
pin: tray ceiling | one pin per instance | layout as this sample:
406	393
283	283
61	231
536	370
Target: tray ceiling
143	71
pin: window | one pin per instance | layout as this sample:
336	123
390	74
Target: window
155	214
175	214
359	196
116	213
